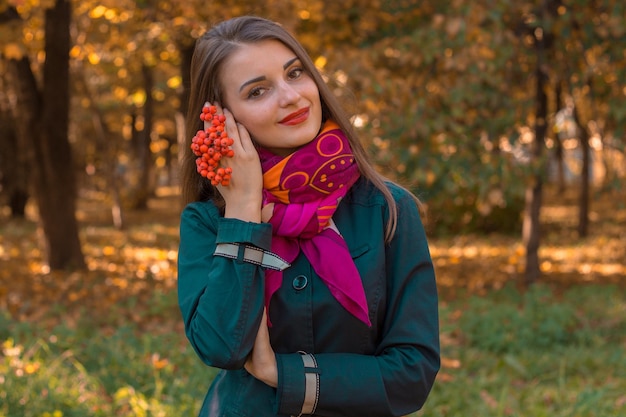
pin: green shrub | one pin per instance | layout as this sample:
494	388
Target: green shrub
535	322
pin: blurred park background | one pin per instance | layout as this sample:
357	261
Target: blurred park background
507	118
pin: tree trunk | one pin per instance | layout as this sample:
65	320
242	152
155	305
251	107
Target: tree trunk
558	144
55	181
185	70
531	227
583	201
186	52
145	188
27	101
13	169
14	178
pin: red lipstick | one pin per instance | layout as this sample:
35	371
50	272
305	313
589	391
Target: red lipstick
296	117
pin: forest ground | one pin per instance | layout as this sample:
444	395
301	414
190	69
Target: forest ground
125	265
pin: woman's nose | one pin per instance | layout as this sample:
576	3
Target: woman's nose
288	94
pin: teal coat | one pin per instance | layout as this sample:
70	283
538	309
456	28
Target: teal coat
387	369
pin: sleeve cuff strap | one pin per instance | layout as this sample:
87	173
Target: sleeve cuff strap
251	254
312	384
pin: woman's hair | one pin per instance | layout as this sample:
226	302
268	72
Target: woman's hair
211	51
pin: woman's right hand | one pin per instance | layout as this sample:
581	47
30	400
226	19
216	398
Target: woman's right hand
243	196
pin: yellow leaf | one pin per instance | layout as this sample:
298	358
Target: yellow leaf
179	21
486	52
75	51
450	363
120	93
139	97
174	82
97	12
320	62
159	363
110	14
31	368
94	58
13	51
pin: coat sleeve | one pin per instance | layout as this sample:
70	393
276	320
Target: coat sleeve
397	379
221	299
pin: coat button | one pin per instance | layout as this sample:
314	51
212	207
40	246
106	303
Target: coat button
300	282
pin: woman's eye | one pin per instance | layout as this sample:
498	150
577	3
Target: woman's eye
256	92
295	73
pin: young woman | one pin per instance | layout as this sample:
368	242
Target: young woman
306	278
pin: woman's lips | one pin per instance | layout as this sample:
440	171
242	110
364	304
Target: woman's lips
296	117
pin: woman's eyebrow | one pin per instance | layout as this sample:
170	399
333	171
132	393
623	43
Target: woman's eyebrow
262	78
291	61
252	81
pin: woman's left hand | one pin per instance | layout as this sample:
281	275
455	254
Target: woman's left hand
261	362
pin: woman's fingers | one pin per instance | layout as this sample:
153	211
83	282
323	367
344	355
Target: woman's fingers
262	362
207	123
238	133
267	211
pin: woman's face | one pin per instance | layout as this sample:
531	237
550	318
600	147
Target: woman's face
268	91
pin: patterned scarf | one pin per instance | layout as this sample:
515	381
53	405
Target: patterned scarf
306	188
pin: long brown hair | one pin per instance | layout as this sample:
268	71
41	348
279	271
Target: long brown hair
211	50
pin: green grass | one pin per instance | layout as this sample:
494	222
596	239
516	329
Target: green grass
504	354
534	354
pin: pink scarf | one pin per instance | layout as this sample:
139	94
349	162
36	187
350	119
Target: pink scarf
306	188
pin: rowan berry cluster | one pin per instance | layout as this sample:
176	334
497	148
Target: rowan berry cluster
212	144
